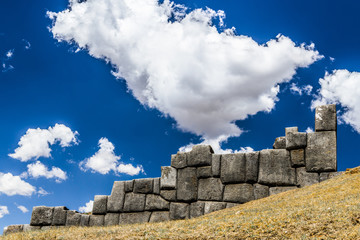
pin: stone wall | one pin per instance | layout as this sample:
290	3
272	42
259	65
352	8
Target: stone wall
199	182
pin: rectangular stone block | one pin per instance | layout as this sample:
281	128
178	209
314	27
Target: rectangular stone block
200	155
304	178
213	206
156	188
156	202
197	209
115	201
215	166
129	186
111	219
42	216
252	167
96	220
84	220
100	204
204	172
29	228
280	143
260	191
187	184
59	217
295	140
179	211
134	202
325	118
137	217
233	167
144	185
297	157
169	195
239	193
275	168
179	160
13	229
291	130
320	153
210	189
161	216
73	218
276	190
168	178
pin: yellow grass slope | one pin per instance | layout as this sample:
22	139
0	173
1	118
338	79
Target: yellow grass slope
329	210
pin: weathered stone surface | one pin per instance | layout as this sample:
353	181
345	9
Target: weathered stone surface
320	153
233	168
204	172
115	201
46	228
304	178
161	216
59	216
42	216
100	204
239	193
187	184
96	220
297	157
200	155
179	211
252	166
280	143
275	168
155	202
230	205
13	229
137	217
29	228
73	218
169	195
276	190
144	185
84	220
179	160
134	202
291	130
197	209
325	118
260	191
168	178
295	140
156	189
111	219
213	206
215	166
210	189
129	186
327	175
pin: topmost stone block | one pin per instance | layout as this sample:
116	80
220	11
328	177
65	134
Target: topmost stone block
325	118
200	155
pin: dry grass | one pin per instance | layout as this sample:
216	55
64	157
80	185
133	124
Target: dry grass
329	210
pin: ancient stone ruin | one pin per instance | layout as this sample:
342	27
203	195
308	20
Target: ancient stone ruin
200	182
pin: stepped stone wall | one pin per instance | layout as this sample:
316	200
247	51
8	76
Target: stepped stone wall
200	182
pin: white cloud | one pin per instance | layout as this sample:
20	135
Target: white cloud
27	44
3	211
309	130
87	208
341	87
22	208
295	89
105	160
42	192
14	185
36	142
332	59
38	169
184	67
9	54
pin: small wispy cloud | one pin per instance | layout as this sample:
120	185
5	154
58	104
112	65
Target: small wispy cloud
300	90
4	211
22	208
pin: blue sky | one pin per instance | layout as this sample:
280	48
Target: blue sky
147	87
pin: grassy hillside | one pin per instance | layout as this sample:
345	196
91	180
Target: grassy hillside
327	210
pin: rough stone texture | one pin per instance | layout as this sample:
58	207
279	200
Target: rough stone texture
215	166
13	229
230	205
252	166
275	168
111	219
295	140
200	155
168	178
297	157
42	216
179	211
73	218
291	130
320	153
260	191
160	216
134	202
276	190
304	178
233	168
179	160
96	220
155	202
136	217
156	189
187	184
327	175
204	172
325	118
210	189
115	201
84	220
100	204
129	186
169	195
197	209
46	228
29	228
59	216
213	206
239	193
280	143
144	185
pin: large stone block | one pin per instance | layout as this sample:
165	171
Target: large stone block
168	178
276	190
96	220
252	166
239	193
275	168
137	217
73	218
169	195
297	157
213	206
233	167
200	155
187	184
179	211
155	202
325	118
197	209
115	201
111	219
204	172
179	160
13	229
295	140
215	166
144	185
129	186
29	228
84	220
304	178
42	216
280	143
59	217
156	189
100	204
291	130
134	202
260	191
320	153
210	189
161	216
